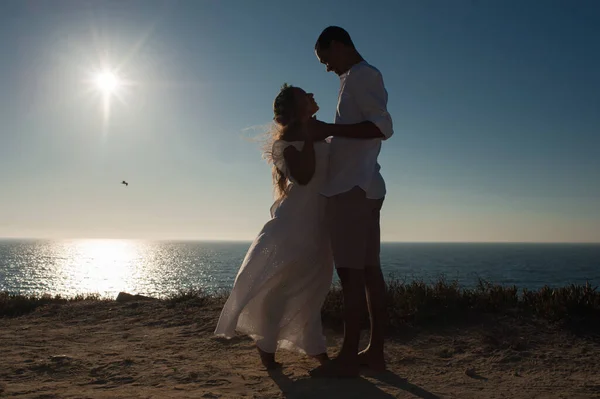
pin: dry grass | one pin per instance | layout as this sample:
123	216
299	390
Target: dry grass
13	305
443	302
415	303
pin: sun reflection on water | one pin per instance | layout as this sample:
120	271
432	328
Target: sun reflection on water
101	266
107	267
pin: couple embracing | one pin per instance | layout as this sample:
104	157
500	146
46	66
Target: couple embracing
329	197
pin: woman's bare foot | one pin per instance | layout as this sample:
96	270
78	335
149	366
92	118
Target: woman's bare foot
321	358
268	359
372	360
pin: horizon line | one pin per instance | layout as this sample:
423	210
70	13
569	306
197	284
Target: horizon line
14	238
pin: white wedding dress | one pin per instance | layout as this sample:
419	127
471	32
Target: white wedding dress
286	274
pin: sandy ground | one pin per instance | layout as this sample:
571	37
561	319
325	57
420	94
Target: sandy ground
150	349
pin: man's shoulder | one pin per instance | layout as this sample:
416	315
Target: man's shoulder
365	73
365	69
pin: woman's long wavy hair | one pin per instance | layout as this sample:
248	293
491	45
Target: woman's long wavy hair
283	117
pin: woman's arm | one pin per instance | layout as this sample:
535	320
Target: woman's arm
301	164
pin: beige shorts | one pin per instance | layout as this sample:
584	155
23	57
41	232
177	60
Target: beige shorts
355	229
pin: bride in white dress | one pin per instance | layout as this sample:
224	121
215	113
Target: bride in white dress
286	274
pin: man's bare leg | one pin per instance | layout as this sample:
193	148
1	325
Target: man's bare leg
372	356
346	364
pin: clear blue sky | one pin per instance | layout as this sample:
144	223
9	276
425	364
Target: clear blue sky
496	108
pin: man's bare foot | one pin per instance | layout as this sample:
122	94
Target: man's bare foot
336	368
321	358
374	361
268	359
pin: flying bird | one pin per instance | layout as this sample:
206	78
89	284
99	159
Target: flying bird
125	183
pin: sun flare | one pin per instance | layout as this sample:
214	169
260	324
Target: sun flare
107	82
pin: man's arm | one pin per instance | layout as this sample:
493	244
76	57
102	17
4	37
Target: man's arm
362	130
369	92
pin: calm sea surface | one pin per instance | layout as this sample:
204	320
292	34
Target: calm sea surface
158	268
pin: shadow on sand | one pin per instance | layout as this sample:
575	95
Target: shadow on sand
307	387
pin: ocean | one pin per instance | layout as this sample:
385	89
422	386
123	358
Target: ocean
106	267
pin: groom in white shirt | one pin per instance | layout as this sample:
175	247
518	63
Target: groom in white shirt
356	191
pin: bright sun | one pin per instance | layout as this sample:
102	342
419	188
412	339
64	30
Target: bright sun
107	82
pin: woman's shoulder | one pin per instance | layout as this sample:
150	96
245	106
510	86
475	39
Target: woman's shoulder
277	152
282	142
280	145
287	142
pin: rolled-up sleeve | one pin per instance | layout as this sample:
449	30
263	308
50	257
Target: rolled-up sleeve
371	96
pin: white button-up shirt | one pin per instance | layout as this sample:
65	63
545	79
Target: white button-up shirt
353	162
